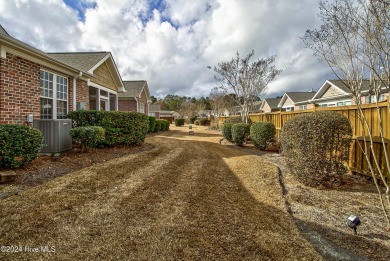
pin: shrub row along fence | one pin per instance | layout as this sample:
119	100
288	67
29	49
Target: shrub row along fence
357	163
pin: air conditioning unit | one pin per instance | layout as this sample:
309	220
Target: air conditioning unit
56	135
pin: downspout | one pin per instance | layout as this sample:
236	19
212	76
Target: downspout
74	89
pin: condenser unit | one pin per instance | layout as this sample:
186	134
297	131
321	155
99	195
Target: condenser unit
56	135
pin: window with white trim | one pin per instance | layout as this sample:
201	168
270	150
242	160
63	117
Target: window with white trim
54	96
141	107
340	103
289	108
382	97
303	107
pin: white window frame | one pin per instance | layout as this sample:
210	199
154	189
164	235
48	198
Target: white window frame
303	107
289	108
382	97
141	108
59	92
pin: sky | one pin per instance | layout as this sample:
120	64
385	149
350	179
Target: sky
170	43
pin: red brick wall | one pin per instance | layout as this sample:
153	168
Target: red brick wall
127	105
19	89
82	92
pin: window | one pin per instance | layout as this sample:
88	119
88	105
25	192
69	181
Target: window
372	98
141	107
323	105
289	108
54	96
340	103
303	107
382	97
152	114
331	104
347	103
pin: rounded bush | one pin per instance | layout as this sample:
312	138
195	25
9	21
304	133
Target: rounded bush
163	125
152	123
262	133
19	145
204	121
316	146
227	130
158	126
193	119
197	122
240	132
179	122
88	137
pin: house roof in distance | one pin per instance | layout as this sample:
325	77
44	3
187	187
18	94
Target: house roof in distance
272	102
154	107
134	89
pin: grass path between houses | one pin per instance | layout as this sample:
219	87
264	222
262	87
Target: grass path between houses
188	198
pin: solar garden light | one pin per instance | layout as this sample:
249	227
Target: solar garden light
353	222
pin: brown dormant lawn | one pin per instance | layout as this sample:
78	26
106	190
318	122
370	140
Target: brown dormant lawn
187	198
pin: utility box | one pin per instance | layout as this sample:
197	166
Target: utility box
56	135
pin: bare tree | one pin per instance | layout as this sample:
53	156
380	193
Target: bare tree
354	41
246	80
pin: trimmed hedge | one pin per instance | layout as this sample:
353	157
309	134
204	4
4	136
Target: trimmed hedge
316	146
163	125
131	127
19	145
240	132
204	121
158	126
227	130
193	119
88	137
179	122
262	133
152	123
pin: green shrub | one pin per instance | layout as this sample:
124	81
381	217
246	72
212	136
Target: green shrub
193	119
88	137
162	125
19	145
204	121
152	123
262	133
316	146
157	126
166	124
133	126
227	130
179	122
197	122
240	132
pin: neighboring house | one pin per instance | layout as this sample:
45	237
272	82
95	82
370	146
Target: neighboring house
136	97
154	110
205	114
335	93
294	101
38	85
256	107
270	105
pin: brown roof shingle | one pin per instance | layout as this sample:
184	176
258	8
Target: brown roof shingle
133	88
84	61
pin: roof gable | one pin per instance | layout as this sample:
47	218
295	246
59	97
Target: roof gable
93	63
292	98
3	31
134	89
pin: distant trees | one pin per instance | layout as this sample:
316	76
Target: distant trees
245	79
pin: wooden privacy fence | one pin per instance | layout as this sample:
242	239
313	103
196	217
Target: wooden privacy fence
357	163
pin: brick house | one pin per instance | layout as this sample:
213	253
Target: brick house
48	86
135	98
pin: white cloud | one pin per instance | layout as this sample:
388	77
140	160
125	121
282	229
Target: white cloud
171	47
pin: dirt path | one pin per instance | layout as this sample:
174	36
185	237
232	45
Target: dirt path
189	198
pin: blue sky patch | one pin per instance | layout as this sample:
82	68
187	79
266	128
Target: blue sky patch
80	6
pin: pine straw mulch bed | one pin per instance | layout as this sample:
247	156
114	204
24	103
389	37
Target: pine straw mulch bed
321	213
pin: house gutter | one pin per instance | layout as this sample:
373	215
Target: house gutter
77	76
